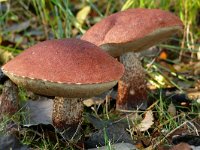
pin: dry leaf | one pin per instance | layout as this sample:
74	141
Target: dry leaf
82	15
38	111
198	53
93	101
98	100
115	132
196	68
181	146
8	142
117	146
5	56
18	27
171	109
147	122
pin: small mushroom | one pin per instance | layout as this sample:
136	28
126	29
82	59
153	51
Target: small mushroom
131	31
67	68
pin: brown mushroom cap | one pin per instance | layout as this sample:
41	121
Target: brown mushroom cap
133	30
67	67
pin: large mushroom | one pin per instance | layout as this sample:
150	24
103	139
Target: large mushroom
67	68
126	32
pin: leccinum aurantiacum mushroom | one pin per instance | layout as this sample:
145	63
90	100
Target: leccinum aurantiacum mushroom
68	68
131	31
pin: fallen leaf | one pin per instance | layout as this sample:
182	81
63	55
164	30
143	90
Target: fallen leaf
196	68
5	56
97	123
39	111
151	52
146	123
198	54
181	146
193	140
171	109
11	142
82	15
117	146
193	93
93	101
115	132
98	100
18	27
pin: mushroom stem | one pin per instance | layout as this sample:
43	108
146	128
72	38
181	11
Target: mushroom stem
132	88
67	112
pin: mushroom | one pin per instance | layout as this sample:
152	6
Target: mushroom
69	69
126	32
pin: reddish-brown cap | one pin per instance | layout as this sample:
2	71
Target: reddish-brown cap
133	30
66	62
